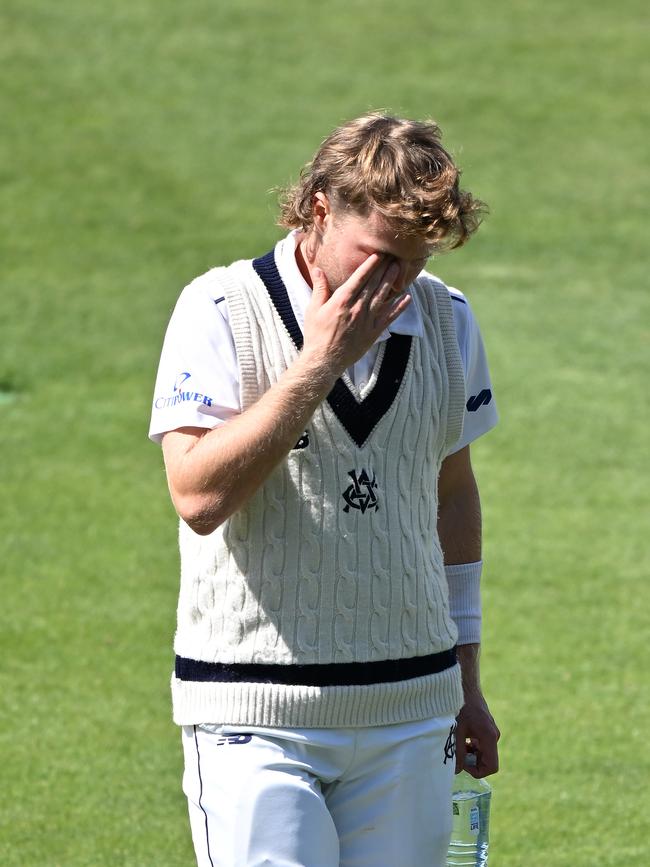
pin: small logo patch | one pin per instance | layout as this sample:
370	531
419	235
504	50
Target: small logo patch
476	401
302	443
233	740
180	379
361	493
450	745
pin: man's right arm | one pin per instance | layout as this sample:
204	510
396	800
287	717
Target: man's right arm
213	473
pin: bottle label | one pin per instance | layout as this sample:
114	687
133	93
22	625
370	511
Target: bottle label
474	821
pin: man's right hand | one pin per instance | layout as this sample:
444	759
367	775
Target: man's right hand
342	325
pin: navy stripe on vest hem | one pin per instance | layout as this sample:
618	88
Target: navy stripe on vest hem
331	674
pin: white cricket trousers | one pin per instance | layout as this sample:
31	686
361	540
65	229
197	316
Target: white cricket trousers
373	797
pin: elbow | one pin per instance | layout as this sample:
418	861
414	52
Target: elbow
200	526
200	516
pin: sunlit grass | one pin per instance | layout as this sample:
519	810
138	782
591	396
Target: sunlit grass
140	142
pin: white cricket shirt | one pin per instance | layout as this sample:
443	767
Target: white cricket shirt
198	382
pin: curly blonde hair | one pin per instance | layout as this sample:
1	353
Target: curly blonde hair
395	167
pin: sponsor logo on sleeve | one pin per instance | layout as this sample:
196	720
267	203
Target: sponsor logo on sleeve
476	401
180	395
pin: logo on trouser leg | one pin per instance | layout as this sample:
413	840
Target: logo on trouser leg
450	745
233	740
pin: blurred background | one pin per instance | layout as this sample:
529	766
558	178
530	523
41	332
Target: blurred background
140	143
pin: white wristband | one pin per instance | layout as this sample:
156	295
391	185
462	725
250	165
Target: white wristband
464	582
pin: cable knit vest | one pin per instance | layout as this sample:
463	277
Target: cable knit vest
336	558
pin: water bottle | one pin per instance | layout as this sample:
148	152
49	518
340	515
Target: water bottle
471	820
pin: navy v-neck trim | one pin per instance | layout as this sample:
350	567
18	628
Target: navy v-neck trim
358	418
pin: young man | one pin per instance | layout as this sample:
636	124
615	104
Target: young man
315	407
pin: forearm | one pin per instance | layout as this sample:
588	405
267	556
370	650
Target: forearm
459	531
212	476
459	523
459	528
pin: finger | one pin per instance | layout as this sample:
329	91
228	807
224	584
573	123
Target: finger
461	746
487	759
320	290
472	757
461	753
359	280
385	289
487	756
395	308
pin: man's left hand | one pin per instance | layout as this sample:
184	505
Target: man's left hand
477	733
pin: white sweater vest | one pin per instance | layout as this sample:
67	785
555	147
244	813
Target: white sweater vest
336	558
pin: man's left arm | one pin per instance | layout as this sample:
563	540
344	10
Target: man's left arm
459	529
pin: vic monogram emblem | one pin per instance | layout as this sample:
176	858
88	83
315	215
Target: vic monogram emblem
361	493
450	745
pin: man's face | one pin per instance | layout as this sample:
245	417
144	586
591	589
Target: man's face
347	239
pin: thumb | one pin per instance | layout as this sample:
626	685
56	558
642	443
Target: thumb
320	290
461	752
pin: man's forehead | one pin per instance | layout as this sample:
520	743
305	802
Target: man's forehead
383	236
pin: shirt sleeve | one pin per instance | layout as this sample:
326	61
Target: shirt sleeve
480	409
197	383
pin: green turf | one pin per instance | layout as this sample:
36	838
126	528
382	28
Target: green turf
139	144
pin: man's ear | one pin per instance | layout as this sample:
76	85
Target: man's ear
322	211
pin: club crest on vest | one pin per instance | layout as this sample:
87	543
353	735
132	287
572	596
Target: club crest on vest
361	493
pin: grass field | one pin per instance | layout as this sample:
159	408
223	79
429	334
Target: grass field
139	144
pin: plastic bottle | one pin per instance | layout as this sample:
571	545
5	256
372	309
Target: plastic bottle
471	821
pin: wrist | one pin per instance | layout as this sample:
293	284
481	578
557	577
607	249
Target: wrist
468	659
464	583
318	369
